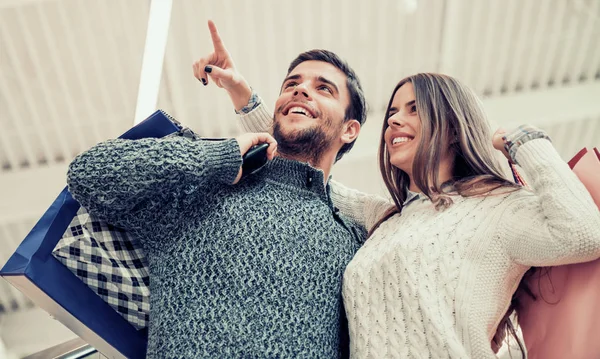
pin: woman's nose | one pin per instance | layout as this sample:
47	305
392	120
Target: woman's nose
395	120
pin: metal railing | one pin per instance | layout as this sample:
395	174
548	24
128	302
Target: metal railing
73	349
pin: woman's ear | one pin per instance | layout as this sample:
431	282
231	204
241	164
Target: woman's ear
351	131
453	136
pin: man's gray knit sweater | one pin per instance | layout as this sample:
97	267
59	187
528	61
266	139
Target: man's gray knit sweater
246	270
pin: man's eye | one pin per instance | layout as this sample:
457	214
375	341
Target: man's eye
290	84
326	88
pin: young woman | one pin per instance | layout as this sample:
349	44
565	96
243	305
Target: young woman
436	277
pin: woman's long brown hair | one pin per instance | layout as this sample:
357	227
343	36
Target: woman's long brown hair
452	119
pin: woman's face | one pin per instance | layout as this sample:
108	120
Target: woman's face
403	134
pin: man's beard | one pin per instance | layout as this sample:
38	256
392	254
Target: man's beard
307	145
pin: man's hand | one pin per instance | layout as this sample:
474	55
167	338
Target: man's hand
220	68
248	140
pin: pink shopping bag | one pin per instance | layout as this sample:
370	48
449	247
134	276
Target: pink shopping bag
564	321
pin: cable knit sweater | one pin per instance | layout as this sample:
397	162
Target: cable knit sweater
435	284
251	270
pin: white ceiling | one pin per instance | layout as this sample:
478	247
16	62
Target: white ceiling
70	70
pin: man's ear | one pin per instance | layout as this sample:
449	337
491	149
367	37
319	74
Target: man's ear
351	131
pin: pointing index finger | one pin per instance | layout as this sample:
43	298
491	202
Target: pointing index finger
216	38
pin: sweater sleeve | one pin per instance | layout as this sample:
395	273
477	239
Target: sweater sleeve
364	209
136	183
557	224
258	120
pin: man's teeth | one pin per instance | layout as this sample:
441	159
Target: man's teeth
300	110
401	140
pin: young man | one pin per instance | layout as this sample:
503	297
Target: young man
248	267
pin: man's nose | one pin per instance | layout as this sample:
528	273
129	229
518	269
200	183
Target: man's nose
302	91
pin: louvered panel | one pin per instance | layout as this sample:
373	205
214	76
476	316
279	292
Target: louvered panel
536	53
105	100
492	46
130	18
51	117
433	53
592	68
452	29
13	156
571	136
21	92
120	101
571	140
503	64
476	19
482	71
589	14
558	18
588	133
323	17
263	21
426	42
520	44
362	41
384	53
287	28
60	94
8	157
570	36
91	99
72	87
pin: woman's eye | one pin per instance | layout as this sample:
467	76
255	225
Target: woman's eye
413	109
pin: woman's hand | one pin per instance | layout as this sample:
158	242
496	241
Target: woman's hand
219	67
248	140
508	142
498	140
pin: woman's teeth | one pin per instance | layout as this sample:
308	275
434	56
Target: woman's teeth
401	140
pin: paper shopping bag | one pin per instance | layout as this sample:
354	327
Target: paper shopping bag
564	320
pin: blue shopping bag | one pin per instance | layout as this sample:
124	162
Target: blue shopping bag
59	290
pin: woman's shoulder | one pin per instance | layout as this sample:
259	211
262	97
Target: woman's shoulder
512	200
505	195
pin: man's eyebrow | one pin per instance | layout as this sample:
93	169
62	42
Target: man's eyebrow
292	77
329	82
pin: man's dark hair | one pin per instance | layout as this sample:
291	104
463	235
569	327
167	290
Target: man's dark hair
357	109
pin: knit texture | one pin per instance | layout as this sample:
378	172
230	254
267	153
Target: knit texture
251	270
260	119
435	284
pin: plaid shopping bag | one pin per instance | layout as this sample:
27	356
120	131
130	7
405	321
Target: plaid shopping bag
111	262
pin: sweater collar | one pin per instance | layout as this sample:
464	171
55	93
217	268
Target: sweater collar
411	196
297	174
